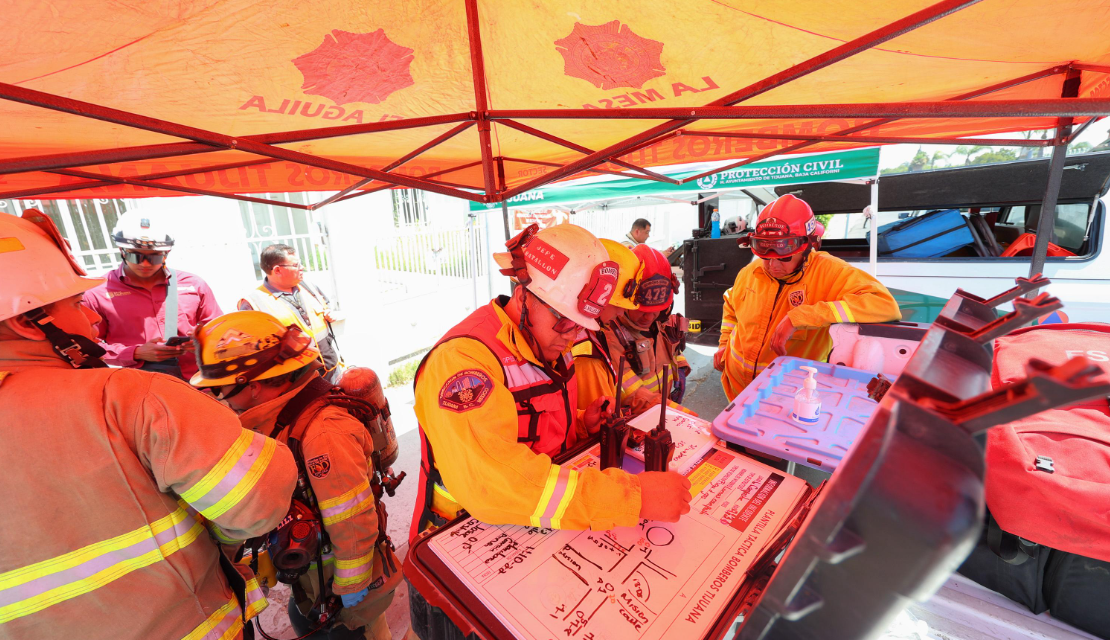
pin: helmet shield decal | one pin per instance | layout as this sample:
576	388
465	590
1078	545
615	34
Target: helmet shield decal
772	228
545	258
595	295
654	291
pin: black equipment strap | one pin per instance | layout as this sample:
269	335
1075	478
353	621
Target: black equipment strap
80	352
315	389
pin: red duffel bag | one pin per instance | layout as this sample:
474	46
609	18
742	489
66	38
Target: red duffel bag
1048	476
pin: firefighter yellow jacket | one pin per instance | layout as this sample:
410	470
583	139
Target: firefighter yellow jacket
336	449
596	358
105	473
827	290
498	479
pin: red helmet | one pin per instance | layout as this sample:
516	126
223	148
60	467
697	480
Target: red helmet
657	284
785	228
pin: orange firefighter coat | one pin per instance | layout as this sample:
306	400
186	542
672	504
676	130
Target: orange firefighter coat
597	356
495	477
106	471
336	449
827	290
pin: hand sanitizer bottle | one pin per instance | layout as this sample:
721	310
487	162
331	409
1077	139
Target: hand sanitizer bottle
807	402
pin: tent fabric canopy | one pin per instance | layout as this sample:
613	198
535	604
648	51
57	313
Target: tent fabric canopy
488	99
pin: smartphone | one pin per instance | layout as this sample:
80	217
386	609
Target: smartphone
177	341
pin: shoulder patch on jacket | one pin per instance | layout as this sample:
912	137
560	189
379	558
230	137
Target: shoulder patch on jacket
465	390
319	467
797	298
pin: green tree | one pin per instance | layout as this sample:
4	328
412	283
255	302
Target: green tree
1079	147
920	161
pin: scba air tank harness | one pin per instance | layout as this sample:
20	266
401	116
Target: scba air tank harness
301	539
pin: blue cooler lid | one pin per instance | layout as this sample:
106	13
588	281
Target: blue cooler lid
759	418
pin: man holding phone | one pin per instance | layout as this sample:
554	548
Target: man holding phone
148	310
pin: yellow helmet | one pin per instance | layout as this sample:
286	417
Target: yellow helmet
631	269
242	346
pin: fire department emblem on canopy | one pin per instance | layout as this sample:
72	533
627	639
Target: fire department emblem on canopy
610	55
355	67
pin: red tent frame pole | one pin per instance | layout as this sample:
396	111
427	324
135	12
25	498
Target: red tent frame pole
212	139
478	70
104	181
426	177
816	63
174	187
1004	142
999	86
1051	107
443	137
543	135
173	149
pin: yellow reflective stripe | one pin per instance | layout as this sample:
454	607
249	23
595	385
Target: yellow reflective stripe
256	600
22	575
366	503
219	534
572	483
846	310
545	497
835	311
109	574
352	572
245	485
355	562
338	500
215	619
222	468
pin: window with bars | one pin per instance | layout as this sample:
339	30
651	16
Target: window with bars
271	224
86	224
409	208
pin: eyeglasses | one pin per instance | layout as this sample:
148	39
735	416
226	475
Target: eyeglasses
296	266
562	324
134	257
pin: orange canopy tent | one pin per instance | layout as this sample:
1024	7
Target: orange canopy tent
486	99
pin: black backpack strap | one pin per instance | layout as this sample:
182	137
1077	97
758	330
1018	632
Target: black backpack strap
314	390
1005	545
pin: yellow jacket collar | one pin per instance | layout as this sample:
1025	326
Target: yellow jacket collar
261	418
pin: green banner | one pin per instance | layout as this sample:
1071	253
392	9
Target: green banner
842	165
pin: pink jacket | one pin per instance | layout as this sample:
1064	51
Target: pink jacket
133	315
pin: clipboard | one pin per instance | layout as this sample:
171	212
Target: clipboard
439	583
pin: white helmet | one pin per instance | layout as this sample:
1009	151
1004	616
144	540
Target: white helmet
142	230
566	267
37	265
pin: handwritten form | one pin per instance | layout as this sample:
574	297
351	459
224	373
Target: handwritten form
655	580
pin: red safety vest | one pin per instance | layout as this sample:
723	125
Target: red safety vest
546	408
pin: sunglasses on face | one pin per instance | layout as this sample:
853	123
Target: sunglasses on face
134	257
293	267
562	323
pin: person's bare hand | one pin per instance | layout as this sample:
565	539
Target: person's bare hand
595	415
156	351
664	496
668	251
783	333
719	358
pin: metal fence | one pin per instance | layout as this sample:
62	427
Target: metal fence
86	224
417	260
